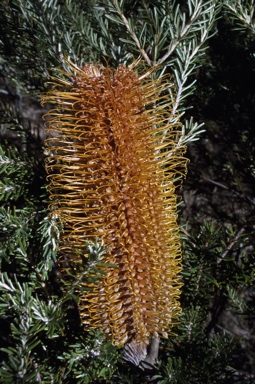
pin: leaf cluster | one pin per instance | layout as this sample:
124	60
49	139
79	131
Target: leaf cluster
220	190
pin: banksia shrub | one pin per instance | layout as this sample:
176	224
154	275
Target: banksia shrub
112	163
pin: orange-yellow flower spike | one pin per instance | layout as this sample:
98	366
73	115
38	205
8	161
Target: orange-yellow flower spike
112	163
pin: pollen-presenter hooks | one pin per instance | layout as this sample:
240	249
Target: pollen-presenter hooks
112	163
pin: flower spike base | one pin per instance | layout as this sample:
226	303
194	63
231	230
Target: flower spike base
112	163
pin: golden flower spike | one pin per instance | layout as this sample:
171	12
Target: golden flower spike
112	163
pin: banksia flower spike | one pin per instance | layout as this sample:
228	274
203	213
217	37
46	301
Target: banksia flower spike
112	163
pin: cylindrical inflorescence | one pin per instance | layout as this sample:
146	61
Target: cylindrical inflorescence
112	162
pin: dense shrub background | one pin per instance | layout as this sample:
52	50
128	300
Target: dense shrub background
41	337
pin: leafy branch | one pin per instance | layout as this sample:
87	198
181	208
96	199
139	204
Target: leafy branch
243	12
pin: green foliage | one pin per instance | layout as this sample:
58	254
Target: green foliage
94	360
30	317
16	172
242	15
41	329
